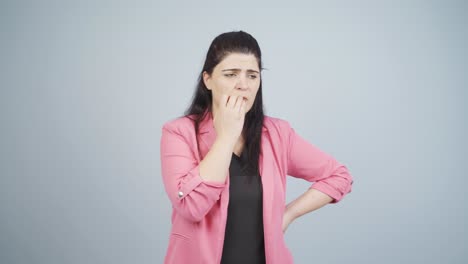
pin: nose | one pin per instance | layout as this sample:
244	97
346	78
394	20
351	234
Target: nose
242	83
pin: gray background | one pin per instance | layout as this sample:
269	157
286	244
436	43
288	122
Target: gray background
86	87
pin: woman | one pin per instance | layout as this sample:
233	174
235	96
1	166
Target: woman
224	166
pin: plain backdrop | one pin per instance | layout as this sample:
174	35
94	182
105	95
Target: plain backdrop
87	85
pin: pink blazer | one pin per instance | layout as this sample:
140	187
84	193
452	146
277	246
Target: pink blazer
200	207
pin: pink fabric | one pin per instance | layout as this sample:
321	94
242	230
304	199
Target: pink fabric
200	207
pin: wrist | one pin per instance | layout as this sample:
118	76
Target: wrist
225	141
289	213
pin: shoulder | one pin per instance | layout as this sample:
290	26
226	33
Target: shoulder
276	124
180	125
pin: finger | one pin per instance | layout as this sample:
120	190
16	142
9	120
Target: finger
228	100
242	106
224	99
239	101
232	101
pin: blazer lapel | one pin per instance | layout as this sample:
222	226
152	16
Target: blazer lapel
207	134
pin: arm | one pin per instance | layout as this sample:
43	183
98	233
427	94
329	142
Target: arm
332	179
215	166
191	194
309	201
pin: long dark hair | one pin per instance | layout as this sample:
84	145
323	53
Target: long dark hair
221	46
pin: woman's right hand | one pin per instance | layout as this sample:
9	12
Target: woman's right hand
229	118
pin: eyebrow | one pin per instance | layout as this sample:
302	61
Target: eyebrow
237	70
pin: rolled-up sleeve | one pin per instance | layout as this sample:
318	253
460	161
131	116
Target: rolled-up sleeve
190	195
308	162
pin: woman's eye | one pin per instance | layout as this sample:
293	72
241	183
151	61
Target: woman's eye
233	74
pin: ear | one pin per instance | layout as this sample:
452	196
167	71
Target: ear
206	80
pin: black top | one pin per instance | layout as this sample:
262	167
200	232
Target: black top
244	242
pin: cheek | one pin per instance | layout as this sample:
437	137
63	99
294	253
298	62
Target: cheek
222	87
256	91
217	92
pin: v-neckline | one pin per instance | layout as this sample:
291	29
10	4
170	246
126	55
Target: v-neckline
237	156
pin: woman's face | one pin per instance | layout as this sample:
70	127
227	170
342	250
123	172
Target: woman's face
236	74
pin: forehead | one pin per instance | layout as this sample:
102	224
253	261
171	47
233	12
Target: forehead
239	61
